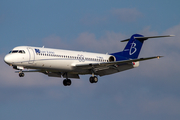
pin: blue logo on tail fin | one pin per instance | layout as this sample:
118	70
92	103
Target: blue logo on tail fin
133	49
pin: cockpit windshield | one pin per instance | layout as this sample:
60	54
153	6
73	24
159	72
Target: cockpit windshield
21	51
17	51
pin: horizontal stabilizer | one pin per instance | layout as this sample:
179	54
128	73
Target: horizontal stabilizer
145	38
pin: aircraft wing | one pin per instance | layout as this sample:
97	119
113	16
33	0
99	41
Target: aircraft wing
97	65
100	68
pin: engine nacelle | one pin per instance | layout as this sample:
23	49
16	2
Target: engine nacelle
112	59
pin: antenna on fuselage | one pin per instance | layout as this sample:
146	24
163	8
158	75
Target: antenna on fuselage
42	46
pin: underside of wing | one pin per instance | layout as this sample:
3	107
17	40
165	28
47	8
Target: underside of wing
108	68
60	74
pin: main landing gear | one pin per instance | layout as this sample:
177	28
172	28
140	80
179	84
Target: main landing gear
21	74
93	79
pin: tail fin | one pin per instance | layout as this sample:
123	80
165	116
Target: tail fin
133	47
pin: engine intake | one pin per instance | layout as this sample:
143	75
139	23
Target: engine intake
112	59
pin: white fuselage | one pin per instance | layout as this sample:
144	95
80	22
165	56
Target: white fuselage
53	59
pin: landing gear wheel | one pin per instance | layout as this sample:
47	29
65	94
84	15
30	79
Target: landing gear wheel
66	82
93	79
21	74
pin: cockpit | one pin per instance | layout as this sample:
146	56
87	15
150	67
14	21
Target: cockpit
17	51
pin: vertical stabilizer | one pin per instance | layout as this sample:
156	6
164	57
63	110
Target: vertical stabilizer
133	47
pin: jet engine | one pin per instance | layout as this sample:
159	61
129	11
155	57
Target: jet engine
112	59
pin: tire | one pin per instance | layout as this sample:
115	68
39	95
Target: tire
68	82
91	80
95	79
65	82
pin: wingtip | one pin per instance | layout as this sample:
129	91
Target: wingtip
159	57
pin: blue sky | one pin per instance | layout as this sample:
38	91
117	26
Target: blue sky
150	91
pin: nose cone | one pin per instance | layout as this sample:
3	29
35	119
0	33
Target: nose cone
7	59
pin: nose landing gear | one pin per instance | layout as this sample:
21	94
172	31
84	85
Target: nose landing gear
66	82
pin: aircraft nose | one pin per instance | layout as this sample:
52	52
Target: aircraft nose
7	59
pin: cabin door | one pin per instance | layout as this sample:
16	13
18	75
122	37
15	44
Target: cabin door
31	55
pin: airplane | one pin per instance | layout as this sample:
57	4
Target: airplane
71	64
